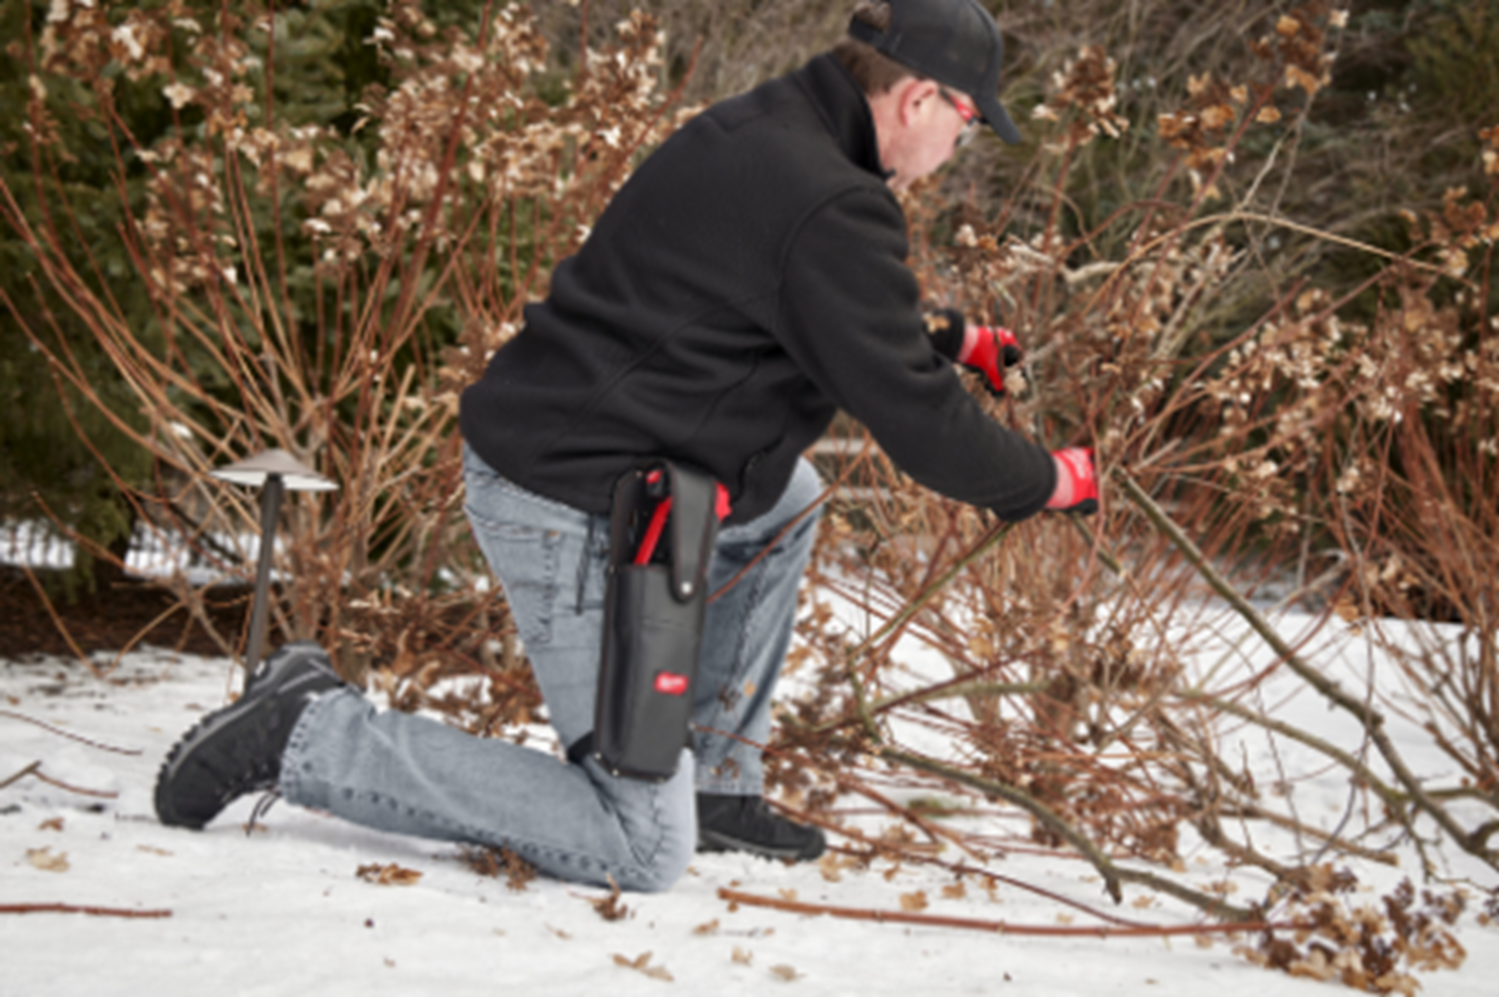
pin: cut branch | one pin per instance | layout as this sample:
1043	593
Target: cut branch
1113	874
1372	720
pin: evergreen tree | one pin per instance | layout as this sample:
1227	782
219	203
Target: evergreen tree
63	460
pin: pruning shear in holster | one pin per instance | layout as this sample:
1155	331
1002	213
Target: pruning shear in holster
662	530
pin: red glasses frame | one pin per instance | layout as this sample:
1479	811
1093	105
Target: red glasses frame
972	118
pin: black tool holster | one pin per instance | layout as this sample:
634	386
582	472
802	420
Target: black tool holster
662	533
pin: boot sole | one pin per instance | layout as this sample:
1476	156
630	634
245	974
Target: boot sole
717	841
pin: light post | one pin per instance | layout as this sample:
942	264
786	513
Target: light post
275	472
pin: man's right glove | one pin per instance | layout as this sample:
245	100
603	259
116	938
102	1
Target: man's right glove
989	350
1077	484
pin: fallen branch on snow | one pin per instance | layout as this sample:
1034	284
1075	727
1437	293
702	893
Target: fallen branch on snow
735	897
74	909
35	769
69	734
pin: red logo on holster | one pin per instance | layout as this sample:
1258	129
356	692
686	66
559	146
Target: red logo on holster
671	683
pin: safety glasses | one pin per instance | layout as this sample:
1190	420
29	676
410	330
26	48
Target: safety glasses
971	116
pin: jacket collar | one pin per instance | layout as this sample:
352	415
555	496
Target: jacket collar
844	110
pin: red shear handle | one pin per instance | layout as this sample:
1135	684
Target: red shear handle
658	522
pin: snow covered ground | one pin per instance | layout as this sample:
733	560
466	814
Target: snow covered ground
282	911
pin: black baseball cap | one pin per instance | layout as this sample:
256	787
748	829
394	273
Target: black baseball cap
955	42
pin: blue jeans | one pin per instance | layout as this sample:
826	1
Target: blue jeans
398	772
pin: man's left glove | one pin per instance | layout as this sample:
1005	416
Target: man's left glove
989	350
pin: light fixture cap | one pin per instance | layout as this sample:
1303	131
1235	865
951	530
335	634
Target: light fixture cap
295	476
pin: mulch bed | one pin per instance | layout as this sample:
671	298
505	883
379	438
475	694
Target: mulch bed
118	614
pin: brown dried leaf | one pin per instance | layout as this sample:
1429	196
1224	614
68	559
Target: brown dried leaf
1315	966
642	964
51	824
492	862
707	928
914	901
45	860
1296	76
1399	983
741	956
784	972
1217	116
389	874
518	872
610	907
485	861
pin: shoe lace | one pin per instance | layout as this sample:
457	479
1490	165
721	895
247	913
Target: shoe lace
262	807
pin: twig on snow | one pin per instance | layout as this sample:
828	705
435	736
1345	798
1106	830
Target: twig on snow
734	897
35	769
28	770
69	734
74	909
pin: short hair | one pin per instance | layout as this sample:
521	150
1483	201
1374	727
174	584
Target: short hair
874	71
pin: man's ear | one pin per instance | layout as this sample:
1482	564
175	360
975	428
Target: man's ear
912	96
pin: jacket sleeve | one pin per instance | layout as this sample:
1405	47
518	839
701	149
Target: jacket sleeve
945	331
848	314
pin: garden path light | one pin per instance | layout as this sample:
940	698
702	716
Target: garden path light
276	472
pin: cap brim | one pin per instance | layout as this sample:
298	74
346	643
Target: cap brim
997	119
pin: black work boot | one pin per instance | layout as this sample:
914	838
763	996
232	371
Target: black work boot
237	750
747	824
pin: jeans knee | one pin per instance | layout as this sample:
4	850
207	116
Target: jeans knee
660	827
664	868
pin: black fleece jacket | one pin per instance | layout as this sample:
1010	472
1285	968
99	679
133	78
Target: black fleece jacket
747	282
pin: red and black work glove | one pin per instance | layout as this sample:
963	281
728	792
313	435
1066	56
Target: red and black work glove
1077	482
989	350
